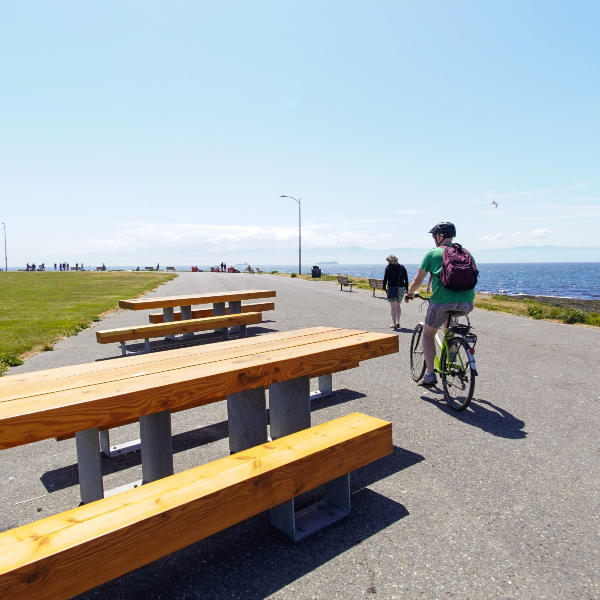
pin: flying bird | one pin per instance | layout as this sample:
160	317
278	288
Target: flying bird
495	203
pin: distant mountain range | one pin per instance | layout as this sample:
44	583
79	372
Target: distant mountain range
348	255
358	255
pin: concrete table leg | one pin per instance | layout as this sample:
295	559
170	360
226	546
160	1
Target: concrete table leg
235	307
168	317
247	418
289	406
157	447
325	387
89	465
219	311
186	315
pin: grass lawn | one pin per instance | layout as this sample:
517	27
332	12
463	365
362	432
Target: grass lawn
38	309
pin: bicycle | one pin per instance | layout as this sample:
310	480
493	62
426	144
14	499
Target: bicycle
456	364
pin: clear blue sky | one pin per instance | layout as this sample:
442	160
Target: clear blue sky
132	130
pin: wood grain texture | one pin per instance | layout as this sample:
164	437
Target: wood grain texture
170	360
125	334
31	419
196	404
59	557
24	380
172	301
201	313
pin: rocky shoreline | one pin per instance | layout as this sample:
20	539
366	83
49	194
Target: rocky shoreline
585	305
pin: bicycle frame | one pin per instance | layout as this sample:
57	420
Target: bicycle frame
442	344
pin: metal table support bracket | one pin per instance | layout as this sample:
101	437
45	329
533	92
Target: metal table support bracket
247	418
112	451
144	351
219	311
89	465
168	317
298	525
157	447
325	387
289	406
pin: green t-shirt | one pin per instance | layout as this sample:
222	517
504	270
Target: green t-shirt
432	262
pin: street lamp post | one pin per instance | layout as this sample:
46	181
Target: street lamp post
5	259
299	232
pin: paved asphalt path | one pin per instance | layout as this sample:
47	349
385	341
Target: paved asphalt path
500	501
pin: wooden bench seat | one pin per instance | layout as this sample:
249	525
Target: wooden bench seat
376	284
70	553
200	313
127	334
344	282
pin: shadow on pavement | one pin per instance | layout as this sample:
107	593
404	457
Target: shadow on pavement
497	421
64	477
253	560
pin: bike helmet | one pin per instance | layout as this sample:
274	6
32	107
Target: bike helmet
446	229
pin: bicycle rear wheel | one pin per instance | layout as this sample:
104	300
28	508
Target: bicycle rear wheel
417	358
458	378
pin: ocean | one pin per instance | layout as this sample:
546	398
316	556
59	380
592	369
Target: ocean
568	280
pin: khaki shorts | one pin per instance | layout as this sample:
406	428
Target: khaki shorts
437	314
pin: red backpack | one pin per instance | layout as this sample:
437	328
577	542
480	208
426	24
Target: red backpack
459	272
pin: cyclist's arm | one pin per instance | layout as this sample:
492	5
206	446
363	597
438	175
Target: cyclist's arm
417	281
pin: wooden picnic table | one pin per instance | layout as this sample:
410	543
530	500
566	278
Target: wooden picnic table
193	299
83	399
218	300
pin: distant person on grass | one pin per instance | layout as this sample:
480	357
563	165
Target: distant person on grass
454	279
395	279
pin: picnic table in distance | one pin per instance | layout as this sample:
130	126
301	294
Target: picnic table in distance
193	299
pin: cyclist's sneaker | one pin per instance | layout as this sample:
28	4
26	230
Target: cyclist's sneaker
428	379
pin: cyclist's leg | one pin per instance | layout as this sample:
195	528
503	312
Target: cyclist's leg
429	346
437	316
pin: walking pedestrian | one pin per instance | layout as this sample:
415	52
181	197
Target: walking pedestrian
395	279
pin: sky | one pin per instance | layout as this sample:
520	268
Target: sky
152	131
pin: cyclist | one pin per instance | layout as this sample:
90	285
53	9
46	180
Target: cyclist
442	300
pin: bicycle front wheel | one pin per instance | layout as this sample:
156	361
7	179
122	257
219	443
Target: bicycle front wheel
458	378
417	358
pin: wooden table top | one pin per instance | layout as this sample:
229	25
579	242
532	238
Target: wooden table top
192	299
58	402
